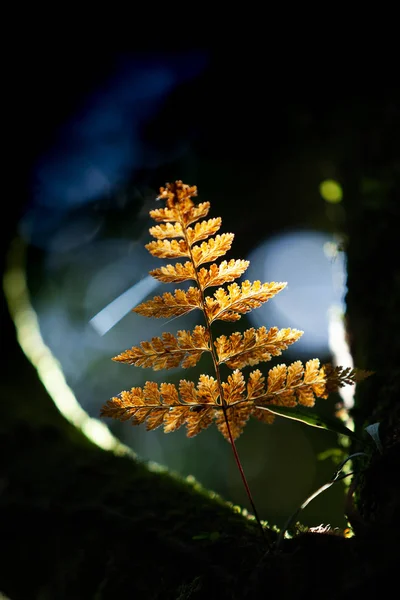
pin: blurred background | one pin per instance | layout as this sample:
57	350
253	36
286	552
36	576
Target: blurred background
102	132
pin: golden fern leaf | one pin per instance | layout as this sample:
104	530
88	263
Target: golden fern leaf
167	249
171	305
203	230
174	273
137	404
255	385
232	402
212	249
225	272
234	388
238	415
180	206
196	407
169	351
125	406
204	401
194	344
206	395
164	215
178	194
195	213
196	411
166	230
239	300
289	385
254	346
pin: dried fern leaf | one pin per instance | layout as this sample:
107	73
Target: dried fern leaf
167	249
203	230
194	344
212	249
164	215
229	306
234	390
178	199
296	384
288	385
255	385
174	273
168	351
286	390
170	305
166	230
178	194
225	272
237	417
180	207
254	346
196	407
206	395
195	213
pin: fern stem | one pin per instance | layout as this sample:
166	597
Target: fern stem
264	534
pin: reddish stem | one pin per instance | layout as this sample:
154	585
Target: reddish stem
246	485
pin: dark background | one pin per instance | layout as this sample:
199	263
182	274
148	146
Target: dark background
257	136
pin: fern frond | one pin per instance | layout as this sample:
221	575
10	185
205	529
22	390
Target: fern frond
254	345
289	385
169	351
164	215
167	249
225	272
195	213
170	305
166	231
285	391
196	407
180	207
238	415
213	249
203	230
174	273
229	306
178	194
182	231
205	403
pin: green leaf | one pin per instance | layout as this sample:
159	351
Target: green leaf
299	413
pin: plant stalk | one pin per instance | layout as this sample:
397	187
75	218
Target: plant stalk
264	534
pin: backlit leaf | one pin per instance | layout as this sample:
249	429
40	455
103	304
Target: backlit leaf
225	272
230	305
254	346
170	305
167	249
212	249
174	273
